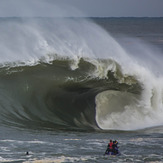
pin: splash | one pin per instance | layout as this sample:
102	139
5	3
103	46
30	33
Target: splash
127	111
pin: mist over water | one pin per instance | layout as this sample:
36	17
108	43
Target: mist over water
30	39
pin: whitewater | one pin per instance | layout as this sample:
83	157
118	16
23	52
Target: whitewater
68	79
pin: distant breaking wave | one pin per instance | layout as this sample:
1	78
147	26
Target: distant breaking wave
71	74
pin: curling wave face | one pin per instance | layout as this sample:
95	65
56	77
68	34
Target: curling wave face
71	74
55	96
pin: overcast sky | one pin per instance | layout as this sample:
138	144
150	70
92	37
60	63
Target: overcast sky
86	8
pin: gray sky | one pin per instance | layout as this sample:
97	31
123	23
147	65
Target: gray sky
90	8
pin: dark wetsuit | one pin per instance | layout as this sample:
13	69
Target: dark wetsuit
115	147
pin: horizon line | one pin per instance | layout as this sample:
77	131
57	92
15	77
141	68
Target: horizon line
81	17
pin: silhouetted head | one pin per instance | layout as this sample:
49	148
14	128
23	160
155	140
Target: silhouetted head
116	142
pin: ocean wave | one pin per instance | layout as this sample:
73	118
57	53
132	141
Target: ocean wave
55	95
71	74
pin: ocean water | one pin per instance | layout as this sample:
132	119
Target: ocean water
69	85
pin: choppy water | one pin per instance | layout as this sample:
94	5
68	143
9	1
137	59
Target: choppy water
67	86
51	146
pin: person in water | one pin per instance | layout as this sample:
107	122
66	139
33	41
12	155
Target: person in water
116	143
115	148
112	147
109	147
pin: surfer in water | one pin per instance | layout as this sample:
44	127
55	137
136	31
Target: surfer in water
115	147
109	147
112	148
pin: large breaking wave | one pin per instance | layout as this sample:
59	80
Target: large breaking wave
71	74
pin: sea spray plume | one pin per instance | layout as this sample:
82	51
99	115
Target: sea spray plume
145	54
29	40
20	38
